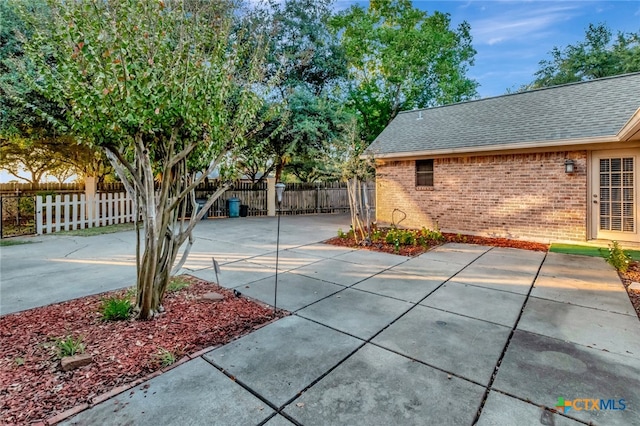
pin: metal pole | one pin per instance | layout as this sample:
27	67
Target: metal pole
275	294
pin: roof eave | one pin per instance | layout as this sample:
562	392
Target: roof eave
502	147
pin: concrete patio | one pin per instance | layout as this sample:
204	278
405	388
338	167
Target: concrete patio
463	334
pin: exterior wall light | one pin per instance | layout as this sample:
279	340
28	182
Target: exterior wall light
569	166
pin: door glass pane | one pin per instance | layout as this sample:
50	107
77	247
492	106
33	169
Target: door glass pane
617	194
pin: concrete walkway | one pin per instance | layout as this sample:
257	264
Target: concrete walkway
460	335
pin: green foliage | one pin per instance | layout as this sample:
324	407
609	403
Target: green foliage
617	257
115	309
69	346
401	58
177	284
341	234
168	89
164	357
7	243
310	65
19	361
598	55
408	237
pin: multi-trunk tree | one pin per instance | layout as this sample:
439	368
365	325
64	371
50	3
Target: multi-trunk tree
167	90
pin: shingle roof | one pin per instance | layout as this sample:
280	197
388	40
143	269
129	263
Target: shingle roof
596	108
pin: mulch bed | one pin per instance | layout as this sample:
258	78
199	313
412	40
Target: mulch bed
632	275
449	238
34	388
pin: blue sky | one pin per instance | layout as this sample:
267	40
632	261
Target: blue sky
512	37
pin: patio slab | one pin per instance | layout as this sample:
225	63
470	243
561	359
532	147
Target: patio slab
278	420
294	291
236	274
378	387
287	260
496	306
515	260
431	269
610	296
592	270
192	393
326	251
585	326
399	285
455	253
370	257
502	410
497	279
542	369
356	312
339	272
464	346
280	360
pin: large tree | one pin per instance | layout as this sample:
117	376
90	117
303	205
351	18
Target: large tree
167	91
310	64
599	55
401	58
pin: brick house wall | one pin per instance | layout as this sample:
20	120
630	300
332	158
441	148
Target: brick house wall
517	196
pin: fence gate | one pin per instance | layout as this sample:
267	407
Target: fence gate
17	215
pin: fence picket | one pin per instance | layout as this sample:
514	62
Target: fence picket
79	212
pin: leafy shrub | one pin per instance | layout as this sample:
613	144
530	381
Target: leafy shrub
617	257
68	346
341	234
116	309
164	357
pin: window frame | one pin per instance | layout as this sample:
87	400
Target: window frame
424	178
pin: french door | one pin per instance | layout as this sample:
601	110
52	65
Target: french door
614	197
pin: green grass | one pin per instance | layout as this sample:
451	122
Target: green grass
177	284
109	229
7	243
589	251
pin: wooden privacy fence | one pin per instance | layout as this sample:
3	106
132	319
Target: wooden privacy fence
76	211
79	211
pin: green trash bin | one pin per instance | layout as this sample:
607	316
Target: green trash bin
234	207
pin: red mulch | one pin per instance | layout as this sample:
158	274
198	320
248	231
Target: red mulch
450	238
632	275
123	351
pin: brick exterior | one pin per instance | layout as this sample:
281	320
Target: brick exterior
517	196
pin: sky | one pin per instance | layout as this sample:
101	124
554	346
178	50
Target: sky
512	37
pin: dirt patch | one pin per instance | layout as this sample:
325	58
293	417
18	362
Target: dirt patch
32	385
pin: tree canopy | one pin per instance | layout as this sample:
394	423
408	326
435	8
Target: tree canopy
400	58
599	55
166	89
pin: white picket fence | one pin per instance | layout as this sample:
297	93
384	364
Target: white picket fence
75	211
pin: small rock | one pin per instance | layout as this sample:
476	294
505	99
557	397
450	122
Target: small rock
69	363
212	297
449	376
634	286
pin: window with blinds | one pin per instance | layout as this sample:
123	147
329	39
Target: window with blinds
617	201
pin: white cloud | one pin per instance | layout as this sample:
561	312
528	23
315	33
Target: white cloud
520	21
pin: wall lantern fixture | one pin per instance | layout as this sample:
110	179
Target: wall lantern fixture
569	166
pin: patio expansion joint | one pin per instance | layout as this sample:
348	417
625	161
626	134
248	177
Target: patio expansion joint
543	407
586	307
506	345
